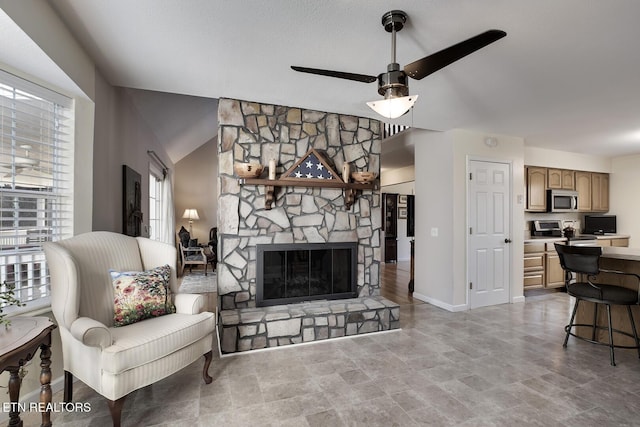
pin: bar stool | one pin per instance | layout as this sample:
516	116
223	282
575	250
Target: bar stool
585	260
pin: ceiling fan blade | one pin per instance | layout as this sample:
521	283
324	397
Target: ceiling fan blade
339	74
434	62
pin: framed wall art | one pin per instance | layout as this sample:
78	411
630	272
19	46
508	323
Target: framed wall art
402	200
402	213
131	202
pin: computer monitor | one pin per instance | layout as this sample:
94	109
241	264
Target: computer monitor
600	224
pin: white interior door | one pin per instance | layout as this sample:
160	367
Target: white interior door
488	248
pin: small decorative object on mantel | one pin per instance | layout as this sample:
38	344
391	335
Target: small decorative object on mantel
7	298
364	177
312	170
272	169
346	171
248	170
311	166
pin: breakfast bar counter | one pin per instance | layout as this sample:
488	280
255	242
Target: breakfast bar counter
620	259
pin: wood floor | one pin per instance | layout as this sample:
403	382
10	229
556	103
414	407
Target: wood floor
394	283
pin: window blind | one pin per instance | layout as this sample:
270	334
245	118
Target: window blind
36	170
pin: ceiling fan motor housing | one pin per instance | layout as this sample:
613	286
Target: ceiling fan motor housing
394	20
393	83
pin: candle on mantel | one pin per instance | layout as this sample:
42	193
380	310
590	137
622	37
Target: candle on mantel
346	172
272	169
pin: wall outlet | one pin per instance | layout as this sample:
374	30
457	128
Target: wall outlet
434	231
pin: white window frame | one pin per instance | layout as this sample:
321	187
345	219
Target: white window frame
155	201
37	119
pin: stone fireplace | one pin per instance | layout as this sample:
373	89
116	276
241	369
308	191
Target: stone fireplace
254	132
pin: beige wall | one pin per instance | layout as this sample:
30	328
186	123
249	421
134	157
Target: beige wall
397	176
534	156
121	137
623	196
440	269
196	186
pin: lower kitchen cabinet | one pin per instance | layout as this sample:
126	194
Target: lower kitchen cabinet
534	274
554	277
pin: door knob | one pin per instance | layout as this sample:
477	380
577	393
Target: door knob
507	240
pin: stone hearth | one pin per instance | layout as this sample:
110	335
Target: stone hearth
258	328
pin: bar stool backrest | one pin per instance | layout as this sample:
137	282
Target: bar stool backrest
579	259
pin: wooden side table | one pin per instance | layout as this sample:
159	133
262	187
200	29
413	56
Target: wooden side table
18	345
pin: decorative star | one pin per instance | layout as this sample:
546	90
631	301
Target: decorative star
320	166
320	176
309	164
298	174
309	175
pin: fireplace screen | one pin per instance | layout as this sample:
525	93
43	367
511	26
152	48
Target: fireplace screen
289	273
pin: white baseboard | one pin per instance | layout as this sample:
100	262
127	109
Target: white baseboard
440	304
516	300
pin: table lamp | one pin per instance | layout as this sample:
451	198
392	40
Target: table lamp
190	214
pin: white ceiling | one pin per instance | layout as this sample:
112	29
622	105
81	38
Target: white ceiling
567	76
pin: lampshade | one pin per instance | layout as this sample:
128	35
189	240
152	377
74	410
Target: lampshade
190	214
392	108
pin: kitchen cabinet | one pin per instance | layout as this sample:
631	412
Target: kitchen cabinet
534	272
583	187
592	188
593	191
536	189
554	274
599	192
619	242
562	179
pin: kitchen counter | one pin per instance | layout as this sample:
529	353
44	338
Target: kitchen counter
550	239
627	254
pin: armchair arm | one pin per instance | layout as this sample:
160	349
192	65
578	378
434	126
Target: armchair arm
91	332
189	303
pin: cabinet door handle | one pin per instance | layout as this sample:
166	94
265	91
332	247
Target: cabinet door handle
507	240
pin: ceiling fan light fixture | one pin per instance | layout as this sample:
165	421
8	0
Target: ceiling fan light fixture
392	108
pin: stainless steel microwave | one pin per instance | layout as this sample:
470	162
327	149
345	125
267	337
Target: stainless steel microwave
562	201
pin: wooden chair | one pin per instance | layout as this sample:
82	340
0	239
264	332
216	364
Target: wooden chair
193	256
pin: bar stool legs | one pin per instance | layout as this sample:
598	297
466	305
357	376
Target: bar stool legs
633	328
613	359
610	330
570	325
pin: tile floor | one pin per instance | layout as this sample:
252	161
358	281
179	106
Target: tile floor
495	366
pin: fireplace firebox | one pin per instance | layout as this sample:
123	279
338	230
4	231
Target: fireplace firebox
289	273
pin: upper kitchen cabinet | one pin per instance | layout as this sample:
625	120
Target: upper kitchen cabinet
561	179
593	191
592	188
536	189
599	192
583	187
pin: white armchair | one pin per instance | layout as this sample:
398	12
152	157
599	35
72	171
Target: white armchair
115	361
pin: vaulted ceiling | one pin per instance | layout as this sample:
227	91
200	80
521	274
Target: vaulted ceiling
566	76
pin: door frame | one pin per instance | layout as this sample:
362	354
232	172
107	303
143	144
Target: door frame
468	222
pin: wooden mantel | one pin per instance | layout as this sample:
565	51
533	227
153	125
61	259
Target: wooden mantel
270	184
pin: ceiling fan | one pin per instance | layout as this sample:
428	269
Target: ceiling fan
393	84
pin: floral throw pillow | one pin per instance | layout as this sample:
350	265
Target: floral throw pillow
139	295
